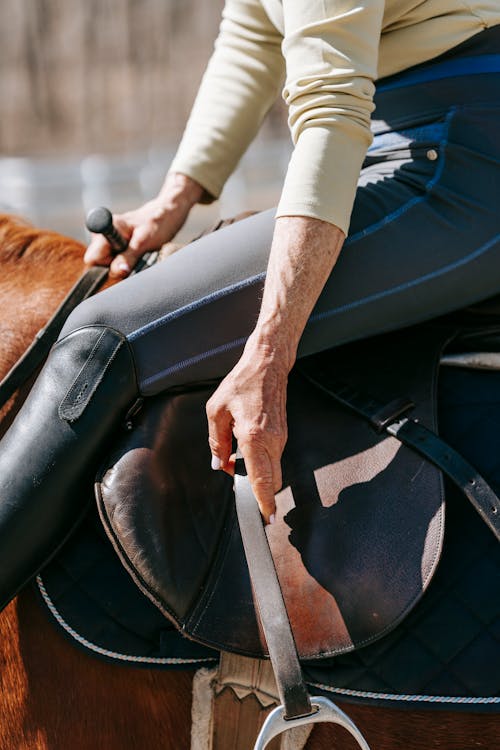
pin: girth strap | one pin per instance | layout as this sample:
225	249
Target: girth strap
390	418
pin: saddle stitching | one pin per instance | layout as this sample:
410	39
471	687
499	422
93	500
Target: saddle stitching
450	697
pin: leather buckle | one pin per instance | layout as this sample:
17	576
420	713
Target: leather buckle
391	412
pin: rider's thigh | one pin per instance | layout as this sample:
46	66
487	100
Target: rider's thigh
424	235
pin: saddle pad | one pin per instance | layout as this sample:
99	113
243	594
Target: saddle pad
359	523
446	652
98	607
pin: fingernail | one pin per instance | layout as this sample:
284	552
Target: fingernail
272	518
123	266
216	464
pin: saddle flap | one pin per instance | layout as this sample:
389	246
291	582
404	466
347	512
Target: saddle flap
359	521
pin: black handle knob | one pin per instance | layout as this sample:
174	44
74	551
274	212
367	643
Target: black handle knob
100	221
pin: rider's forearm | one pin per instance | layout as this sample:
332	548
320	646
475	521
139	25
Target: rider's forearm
250	403
303	254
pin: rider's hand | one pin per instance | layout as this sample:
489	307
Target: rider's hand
251	403
148	227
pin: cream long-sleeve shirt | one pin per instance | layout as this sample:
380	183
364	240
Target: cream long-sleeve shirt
328	53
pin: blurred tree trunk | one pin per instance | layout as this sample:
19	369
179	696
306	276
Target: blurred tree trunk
100	75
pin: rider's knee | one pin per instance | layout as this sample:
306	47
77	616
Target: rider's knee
87	314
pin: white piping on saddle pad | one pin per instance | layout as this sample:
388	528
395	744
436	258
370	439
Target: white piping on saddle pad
473	360
457	699
362	694
104	651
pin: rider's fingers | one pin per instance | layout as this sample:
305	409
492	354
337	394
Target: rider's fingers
123	263
277	474
220	435
140	242
230	466
98	252
264	474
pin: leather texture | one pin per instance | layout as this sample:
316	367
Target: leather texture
448	645
44	459
359	524
269	603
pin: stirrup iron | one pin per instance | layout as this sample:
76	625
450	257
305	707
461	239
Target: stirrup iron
324	711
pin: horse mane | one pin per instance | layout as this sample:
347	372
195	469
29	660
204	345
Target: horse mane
21	242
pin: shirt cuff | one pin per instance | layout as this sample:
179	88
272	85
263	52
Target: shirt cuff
323	173
211	188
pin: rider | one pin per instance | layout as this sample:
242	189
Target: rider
420	212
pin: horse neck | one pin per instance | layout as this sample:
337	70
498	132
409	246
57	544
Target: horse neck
37	269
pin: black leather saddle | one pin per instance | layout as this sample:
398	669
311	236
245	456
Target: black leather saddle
446	651
360	519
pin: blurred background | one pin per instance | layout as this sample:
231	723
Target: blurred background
94	95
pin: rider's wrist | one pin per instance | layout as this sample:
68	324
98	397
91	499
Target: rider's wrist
179	192
273	342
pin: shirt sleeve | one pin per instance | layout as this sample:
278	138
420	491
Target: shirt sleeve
243	78
331	53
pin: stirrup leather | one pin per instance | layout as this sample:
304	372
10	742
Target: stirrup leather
297	707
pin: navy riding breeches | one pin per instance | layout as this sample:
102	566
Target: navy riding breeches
424	237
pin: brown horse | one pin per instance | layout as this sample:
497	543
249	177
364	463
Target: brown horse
54	697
